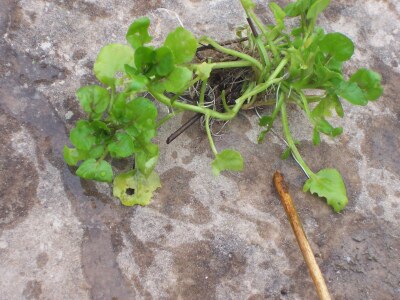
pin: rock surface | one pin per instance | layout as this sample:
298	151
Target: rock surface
201	237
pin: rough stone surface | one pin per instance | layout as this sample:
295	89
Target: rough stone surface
201	237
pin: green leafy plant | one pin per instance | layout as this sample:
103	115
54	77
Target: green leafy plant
300	66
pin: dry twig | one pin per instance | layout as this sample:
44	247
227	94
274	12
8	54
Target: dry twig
301	237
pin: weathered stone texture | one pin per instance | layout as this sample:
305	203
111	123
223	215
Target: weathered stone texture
201	237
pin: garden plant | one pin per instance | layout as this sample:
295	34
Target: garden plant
273	65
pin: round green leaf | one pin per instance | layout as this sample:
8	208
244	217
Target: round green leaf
118	108
227	160
122	146
133	188
72	156
164	61
96	151
182	44
137	34
141	112
338	45
144	58
112	59
316	8
91	169
94	99
297	8
146	159
369	82
178	79
82	136
352	93
328	183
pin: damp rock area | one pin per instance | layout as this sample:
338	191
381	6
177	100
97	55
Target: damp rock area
202	237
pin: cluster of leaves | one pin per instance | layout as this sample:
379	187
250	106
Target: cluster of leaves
315	61
122	123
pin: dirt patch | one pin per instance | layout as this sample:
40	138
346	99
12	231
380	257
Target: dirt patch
186	206
202	266
88	8
142	7
42	259
381	150
18	177
33	290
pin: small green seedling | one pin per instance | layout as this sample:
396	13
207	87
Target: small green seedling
289	63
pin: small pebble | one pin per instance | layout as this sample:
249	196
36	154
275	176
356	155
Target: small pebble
3	244
69	115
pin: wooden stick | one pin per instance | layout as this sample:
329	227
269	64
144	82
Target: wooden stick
304	245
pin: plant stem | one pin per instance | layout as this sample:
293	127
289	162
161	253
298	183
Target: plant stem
260	25
232	52
291	143
259	103
261	87
305	104
210	139
232	64
111	100
184	106
103	156
224	103
202	93
226	43
263	53
277	108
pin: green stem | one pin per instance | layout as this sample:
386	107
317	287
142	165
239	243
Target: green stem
259	103
280	39
224	103
185	106
232	52
103	156
202	93
278	106
305	104
263	53
210	139
261	87
111	100
314	98
260	25
291	143
232	64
